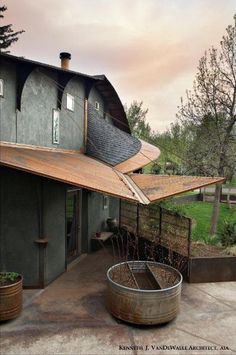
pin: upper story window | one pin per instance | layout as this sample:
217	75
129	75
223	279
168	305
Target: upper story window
1	87
55	126
70	102
97	105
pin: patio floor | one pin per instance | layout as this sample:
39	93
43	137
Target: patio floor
69	317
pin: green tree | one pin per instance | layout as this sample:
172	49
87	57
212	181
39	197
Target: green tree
211	108
7	35
174	144
136	116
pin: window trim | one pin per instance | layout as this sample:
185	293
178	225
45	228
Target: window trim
72	100
105	202
54	140
97	105
1	88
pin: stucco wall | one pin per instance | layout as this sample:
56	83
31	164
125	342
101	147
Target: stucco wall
97	215
94	96
24	198
54	227
8	102
19	226
72	122
34	122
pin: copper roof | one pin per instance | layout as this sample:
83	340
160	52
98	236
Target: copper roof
158	187
71	167
146	154
75	168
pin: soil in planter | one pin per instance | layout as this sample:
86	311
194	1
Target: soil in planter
153	278
206	250
123	276
164	277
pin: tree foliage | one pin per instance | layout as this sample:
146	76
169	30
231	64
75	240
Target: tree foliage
174	144
7	35
136	116
211	108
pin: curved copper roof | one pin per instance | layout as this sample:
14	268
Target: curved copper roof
144	156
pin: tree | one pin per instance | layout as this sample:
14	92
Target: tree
211	108
174	144
7	35
136	116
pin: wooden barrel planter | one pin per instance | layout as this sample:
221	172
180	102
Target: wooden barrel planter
143	292
11	299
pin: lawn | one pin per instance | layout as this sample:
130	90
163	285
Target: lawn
230	183
200	212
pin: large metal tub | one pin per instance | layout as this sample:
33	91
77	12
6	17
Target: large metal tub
143	306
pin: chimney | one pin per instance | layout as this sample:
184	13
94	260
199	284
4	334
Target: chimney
65	60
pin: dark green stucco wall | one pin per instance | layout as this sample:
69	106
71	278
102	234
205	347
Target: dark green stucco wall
97	215
8	102
31	208
34	122
72	123
19	226
54	227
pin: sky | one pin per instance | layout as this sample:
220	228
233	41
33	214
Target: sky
148	49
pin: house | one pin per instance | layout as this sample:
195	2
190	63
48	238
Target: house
67	158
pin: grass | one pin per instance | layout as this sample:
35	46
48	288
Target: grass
230	183
200	212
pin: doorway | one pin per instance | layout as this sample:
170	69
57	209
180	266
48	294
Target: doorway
73	237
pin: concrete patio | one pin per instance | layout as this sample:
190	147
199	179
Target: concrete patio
69	317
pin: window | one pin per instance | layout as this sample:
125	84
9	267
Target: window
97	106
55	126
1	87
70	102
105	202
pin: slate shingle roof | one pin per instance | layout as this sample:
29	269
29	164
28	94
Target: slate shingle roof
108	143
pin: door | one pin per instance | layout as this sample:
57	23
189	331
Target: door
73	238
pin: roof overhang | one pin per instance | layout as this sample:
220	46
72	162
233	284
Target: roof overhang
75	168
147	154
159	187
71	167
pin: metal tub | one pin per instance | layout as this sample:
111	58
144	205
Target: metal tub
143	306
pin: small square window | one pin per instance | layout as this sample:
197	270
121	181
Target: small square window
97	106
70	102
1	87
55	126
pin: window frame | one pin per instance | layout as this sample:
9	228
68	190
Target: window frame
1	88
105	202
69	96
54	140
97	105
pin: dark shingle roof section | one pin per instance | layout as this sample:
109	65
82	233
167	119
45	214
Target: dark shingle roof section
108	143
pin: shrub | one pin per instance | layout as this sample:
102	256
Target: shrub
228	234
